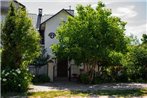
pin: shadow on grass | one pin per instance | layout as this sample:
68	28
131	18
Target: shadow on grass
137	92
10	94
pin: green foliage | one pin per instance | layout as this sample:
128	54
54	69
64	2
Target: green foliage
136	63
42	59
92	34
144	38
109	74
91	37
84	78
20	40
115	57
20	45
41	79
15	80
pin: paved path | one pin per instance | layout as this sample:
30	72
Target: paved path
76	86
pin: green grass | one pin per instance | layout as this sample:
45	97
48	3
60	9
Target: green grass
122	93
68	93
52	94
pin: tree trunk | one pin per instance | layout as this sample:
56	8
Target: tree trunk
92	72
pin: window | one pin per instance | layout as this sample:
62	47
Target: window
51	35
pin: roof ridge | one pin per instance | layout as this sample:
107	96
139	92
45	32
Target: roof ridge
56	14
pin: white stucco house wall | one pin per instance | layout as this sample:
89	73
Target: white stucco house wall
51	25
62	68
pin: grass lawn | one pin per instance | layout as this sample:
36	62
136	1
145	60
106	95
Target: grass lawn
117	93
68	94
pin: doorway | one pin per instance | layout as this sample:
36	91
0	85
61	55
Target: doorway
62	68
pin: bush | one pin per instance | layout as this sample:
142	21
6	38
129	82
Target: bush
84	78
41	79
135	62
16	80
109	75
97	80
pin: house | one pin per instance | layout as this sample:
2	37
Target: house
59	68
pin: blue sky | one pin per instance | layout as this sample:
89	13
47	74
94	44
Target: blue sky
134	12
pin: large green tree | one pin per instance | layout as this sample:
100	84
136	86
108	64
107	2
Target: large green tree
90	36
20	40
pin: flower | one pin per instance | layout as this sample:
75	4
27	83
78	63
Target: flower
14	74
33	75
19	85
4	80
3	71
6	74
25	77
18	71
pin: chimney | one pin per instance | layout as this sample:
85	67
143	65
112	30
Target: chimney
39	18
70	11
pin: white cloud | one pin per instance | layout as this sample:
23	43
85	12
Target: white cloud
94	6
125	12
136	30
58	1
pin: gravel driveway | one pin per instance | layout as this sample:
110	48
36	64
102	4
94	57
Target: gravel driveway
83	87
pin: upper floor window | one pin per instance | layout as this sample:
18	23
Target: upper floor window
51	35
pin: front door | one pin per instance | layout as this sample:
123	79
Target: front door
62	68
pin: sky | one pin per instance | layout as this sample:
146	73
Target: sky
134	12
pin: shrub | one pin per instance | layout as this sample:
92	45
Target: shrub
135	62
109	75
117	74
97	80
41	79
15	80
84	78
